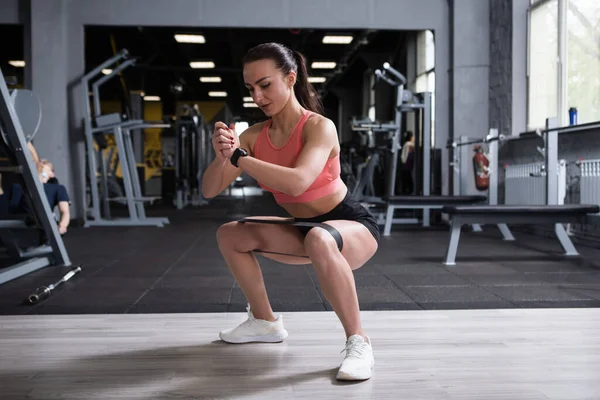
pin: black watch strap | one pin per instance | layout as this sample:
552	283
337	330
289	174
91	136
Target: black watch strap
239	152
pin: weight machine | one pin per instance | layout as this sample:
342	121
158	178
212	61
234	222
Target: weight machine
20	116
406	102
191	156
96	126
364	189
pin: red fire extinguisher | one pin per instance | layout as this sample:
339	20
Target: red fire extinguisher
481	169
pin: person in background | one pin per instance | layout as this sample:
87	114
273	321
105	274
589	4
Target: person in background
5	196
34	154
55	193
407	163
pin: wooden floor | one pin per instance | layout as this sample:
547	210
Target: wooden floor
463	354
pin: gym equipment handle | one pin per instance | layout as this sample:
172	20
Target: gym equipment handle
487	139
387	68
381	75
564	129
394	72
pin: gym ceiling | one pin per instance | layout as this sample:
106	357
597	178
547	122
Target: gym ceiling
163	63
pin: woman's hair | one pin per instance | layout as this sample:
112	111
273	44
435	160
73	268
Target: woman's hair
287	60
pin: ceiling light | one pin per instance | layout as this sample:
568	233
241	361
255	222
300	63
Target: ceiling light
316	79
17	63
330	39
180	38
210	79
217	94
151	98
248	99
107	71
250	105
202	64
323	65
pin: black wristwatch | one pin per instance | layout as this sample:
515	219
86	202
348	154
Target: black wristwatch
239	152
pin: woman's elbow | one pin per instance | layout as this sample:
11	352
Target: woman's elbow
298	187
208	190
206	194
295	192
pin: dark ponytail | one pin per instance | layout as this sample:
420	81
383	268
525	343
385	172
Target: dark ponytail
289	60
305	92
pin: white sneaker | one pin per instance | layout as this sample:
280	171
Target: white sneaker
359	360
255	330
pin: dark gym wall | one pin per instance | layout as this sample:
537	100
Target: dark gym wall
350	99
501	65
469	68
519	65
9	12
508	65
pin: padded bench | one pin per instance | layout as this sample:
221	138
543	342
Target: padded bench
426	203
434	200
517	215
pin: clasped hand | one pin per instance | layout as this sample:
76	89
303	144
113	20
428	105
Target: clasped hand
225	140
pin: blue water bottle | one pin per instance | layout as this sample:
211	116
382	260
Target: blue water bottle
572	116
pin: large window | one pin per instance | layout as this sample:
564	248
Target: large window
425	81
583	60
564	61
543	52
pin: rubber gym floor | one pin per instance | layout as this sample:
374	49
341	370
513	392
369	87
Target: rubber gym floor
178	269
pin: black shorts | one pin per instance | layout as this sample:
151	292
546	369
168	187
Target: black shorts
349	209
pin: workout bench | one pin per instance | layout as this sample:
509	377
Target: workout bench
517	215
425	203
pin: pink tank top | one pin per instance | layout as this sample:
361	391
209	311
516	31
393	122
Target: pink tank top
326	183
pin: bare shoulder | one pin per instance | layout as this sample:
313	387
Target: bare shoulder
319	125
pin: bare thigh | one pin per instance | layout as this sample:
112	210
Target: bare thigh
285	243
359	244
282	243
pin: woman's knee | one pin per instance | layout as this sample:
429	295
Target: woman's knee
237	236
228	233
318	243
